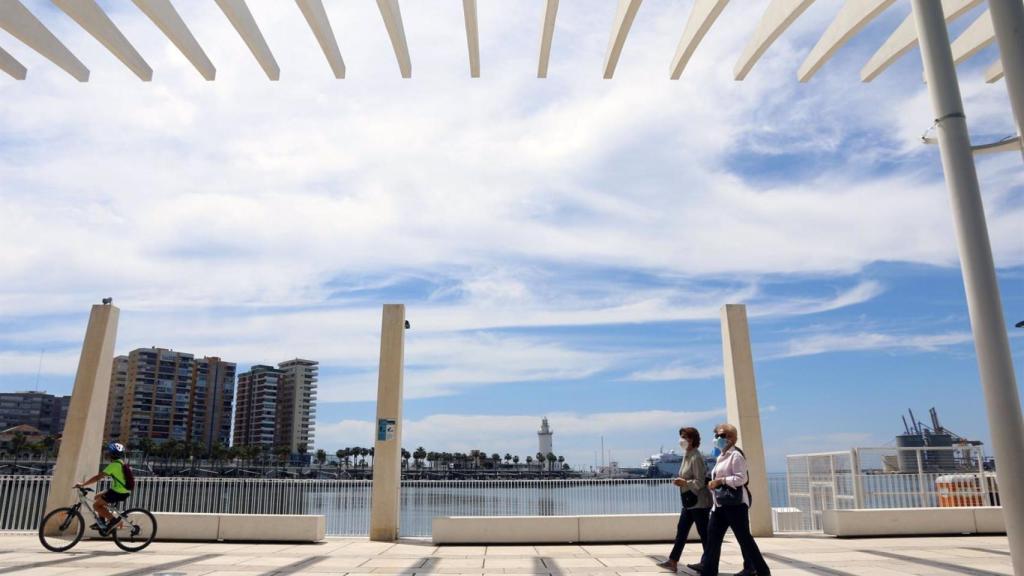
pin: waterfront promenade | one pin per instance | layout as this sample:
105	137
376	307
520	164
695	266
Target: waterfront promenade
981	555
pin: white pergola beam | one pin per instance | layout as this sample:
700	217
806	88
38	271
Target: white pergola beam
11	66
472	36
392	15
241	19
19	22
905	38
702	17
994	73
95	21
167	19
777	17
624	17
547	34
316	17
851	19
975	38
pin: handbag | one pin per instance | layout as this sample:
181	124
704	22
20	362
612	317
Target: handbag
726	495
689	499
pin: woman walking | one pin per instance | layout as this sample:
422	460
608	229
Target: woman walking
694	493
731	508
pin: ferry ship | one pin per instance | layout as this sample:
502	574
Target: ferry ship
662	464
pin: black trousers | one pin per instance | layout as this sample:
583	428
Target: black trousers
687	518
738	519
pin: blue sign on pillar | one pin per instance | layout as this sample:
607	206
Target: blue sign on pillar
385	429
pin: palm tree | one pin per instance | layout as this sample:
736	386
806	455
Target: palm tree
515	460
529	461
551	459
370	451
50	443
363	453
282	453
508	458
321	457
418	456
146	445
405	457
540	460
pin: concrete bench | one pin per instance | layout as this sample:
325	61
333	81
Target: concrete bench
556	529
913	521
238	527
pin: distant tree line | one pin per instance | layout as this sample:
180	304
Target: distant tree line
182	451
420	458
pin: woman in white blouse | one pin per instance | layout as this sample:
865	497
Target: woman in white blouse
730	509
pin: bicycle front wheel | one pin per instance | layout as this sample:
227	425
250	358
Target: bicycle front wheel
136	530
61	529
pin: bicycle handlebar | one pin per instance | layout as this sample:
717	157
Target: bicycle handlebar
83	490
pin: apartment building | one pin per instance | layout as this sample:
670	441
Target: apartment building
297	404
256	407
42	411
277	406
170	395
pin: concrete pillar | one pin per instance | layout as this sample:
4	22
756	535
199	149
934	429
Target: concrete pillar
387	446
984	305
82	440
1008	21
743	411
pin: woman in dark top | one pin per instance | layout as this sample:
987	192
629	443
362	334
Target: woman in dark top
694	493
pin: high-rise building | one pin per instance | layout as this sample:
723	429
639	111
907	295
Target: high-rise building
297	404
42	411
276	407
170	395
256	407
213	395
115	399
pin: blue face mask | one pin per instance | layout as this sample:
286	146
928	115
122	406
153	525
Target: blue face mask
721	443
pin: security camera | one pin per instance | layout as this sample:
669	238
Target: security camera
407	325
108	301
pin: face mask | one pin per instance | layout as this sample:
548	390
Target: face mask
684	444
721	443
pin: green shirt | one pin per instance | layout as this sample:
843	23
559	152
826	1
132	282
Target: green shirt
116	472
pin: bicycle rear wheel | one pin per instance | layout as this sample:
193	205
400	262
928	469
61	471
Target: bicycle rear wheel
136	530
61	529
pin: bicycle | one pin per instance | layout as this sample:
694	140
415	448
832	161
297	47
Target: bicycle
133	529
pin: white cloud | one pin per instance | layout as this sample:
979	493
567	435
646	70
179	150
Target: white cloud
826	343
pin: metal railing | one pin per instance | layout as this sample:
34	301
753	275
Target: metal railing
906	477
346	503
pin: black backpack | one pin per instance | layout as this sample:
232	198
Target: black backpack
129	477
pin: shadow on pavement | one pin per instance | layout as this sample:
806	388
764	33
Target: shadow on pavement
931	563
296	566
806	566
62	560
165	566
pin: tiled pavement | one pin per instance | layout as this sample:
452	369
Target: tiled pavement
788	556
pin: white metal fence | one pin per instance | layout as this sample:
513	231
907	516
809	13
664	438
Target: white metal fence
915	477
346	503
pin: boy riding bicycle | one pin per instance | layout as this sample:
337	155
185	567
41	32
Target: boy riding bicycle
120	486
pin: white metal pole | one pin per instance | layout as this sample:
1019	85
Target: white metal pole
1008	21
984	305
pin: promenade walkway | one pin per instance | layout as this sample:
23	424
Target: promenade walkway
788	556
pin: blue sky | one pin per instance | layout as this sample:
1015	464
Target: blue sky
563	246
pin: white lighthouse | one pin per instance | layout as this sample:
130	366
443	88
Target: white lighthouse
544	437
